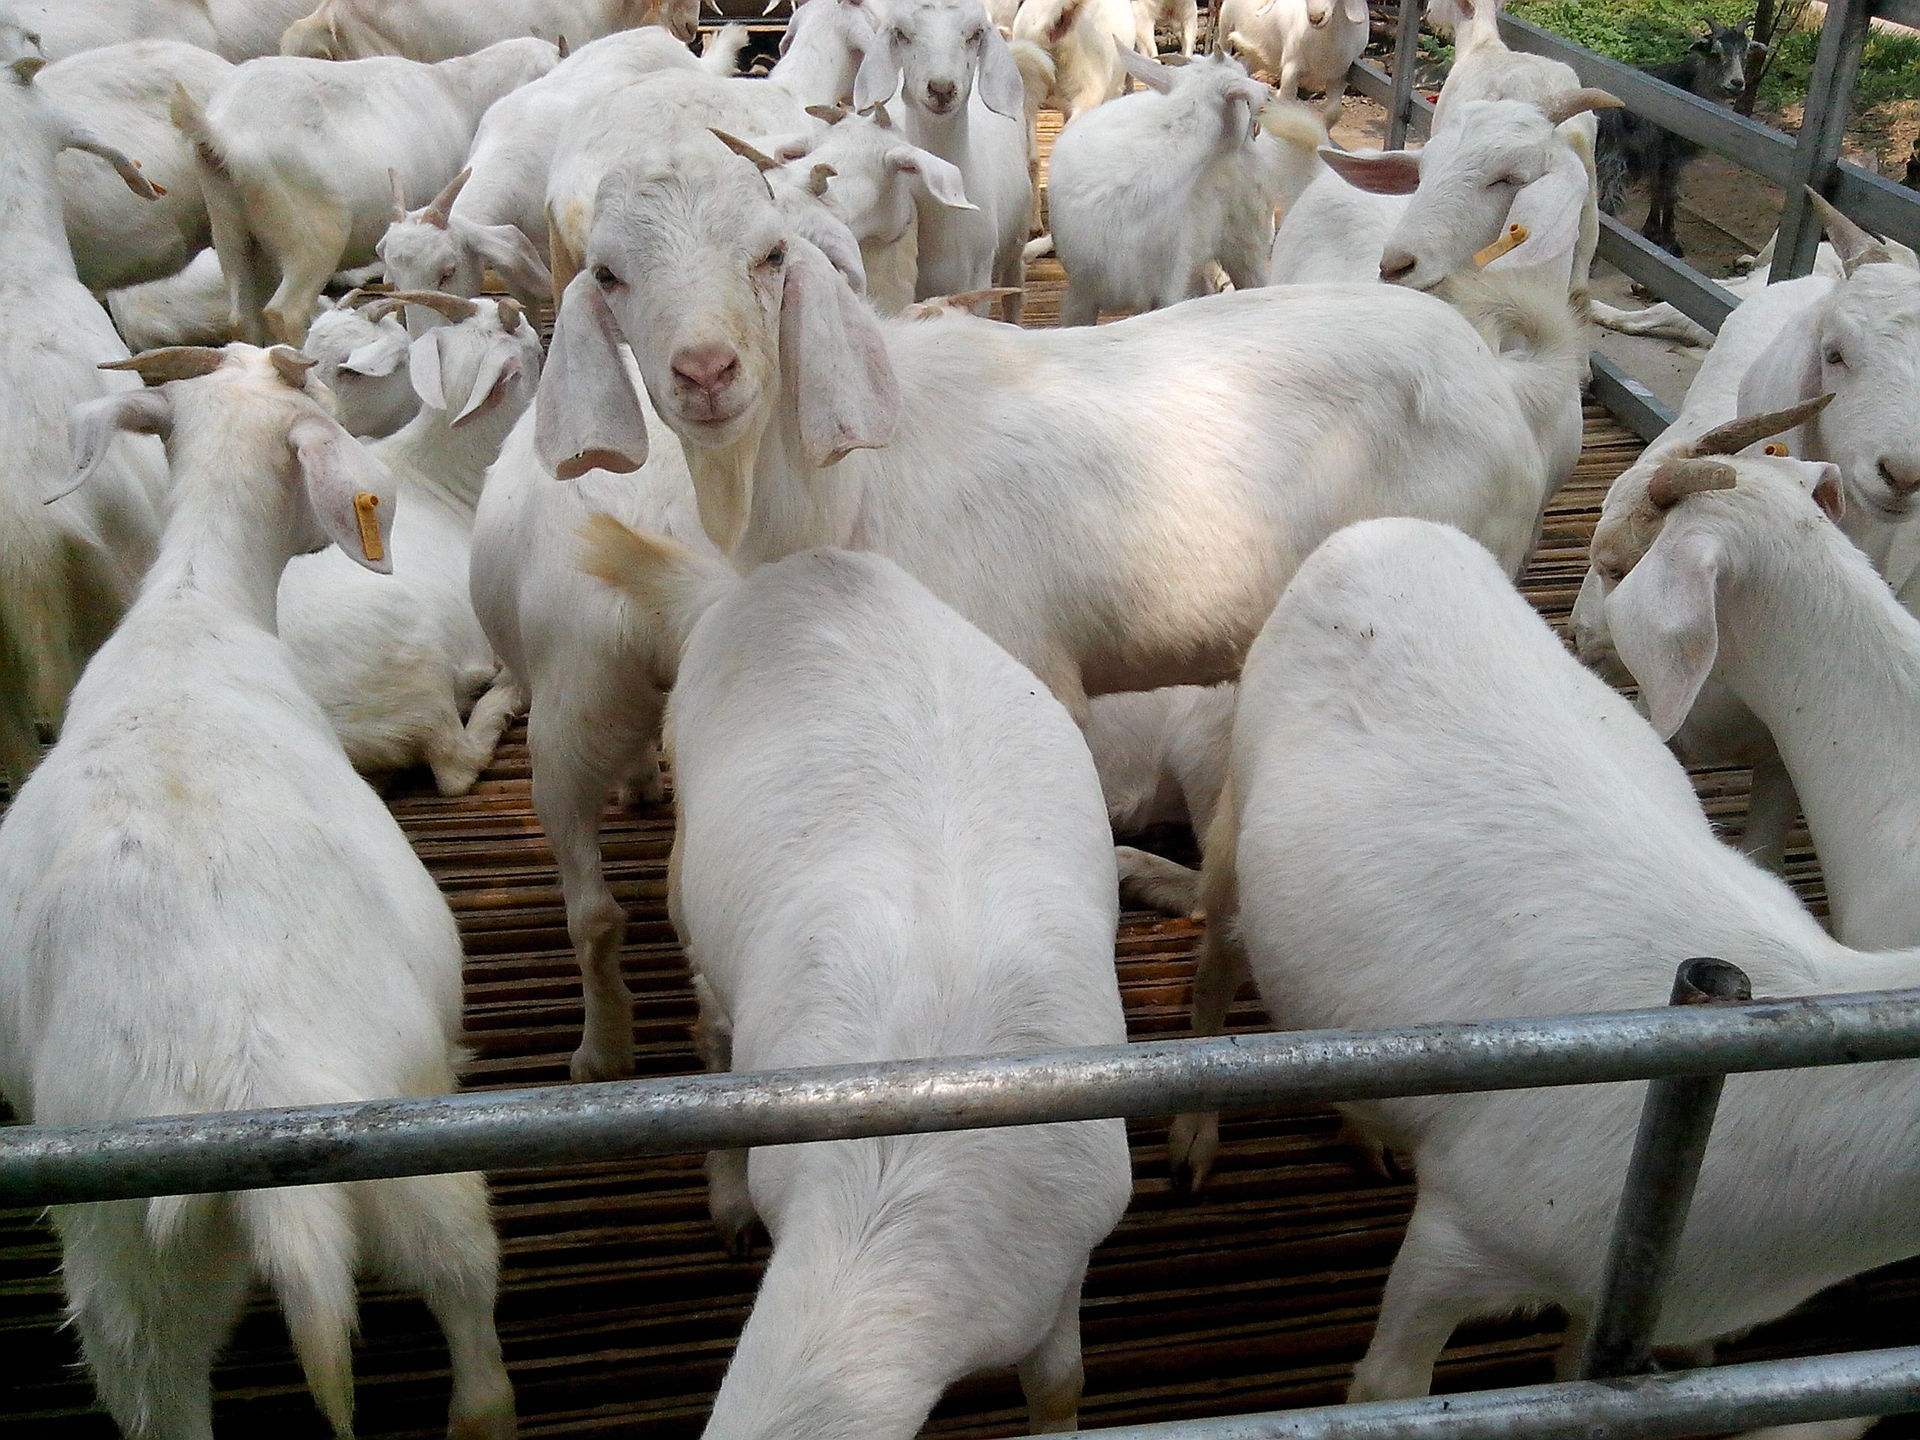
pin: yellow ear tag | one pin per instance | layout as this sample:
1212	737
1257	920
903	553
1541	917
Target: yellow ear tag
366	508
1516	235
1776	449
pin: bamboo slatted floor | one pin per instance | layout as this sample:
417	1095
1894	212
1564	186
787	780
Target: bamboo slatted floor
619	1309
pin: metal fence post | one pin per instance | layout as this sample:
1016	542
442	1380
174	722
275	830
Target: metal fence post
1823	124
1406	55
1675	1124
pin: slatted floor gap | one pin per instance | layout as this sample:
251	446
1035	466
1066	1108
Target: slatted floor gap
619	1310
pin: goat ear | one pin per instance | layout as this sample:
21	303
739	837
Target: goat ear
1551	209
1825	487
833	359
1663	622
498	369
1001	88
1150	73
878	78
93	425
813	222
76	135
1355	11
1378	172
586	416
1785	374
930	176
509	254
423	369
350	491
376	357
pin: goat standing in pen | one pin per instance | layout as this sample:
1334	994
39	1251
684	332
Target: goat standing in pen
1633	148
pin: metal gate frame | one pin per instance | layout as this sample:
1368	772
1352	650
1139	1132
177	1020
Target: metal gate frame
1711	1028
1810	159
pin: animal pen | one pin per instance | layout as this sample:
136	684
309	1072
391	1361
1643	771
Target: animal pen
1234	1315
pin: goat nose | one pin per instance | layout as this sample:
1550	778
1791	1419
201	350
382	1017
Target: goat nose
710	368
1901	472
942	92
1396	265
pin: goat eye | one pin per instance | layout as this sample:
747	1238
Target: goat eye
976	37
775	258
1834	357
603	276
900	37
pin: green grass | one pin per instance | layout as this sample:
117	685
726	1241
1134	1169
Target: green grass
1647	32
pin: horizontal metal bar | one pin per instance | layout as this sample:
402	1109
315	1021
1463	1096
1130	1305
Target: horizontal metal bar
577	1123
1368	79
1675	281
1629	401
1901	12
1690	1402
1882	205
1765	151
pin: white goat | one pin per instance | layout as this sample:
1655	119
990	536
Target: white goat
1500	163
1149	193
294	158
1080	37
966	102
203	908
362	359
236	29
1744	582
821	52
1857	338
873	179
1162	758
396	663
903	1264
434	30
125	91
1151	16
67	571
1563	849
1306	45
1025	476
594	668
489	217
187	308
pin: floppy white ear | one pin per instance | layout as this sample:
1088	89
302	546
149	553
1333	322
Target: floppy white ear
1784	374
586	416
423	369
878	78
1550	208
1378	172
931	176
350	491
833	361
93	424
376	357
809	219
1663	623
1001	88
1355	11
1254	96
511	256
1150	73
498	370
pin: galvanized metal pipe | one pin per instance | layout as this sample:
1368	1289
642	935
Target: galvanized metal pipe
577	1123
1693	1402
1675	1124
1406	55
1823	125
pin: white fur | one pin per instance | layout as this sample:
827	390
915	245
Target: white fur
294	155
1149	193
889	845
363	361
236	29
965	100
124	90
203	908
1026	476
67	571
1162	758
1421	773
1152	15
1306	45
432	30
396	663
1079	36
592	666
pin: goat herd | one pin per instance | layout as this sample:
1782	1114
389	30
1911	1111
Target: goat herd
896	564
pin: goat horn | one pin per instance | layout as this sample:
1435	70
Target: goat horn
28	66
1736	435
1677	479
832	114
742	148
442	206
399	194
512	312
171	362
291	365
1563	108
817	179
880	116
452	307
560	44
1857	246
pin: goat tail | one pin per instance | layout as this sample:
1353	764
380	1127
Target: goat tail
226	208
303	1240
1037	71
721	54
1297	126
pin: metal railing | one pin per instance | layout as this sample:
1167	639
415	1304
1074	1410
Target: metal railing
1710	1029
1793	162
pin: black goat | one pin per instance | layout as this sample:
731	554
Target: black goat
1634	148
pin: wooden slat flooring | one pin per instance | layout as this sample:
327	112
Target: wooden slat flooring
619	1310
